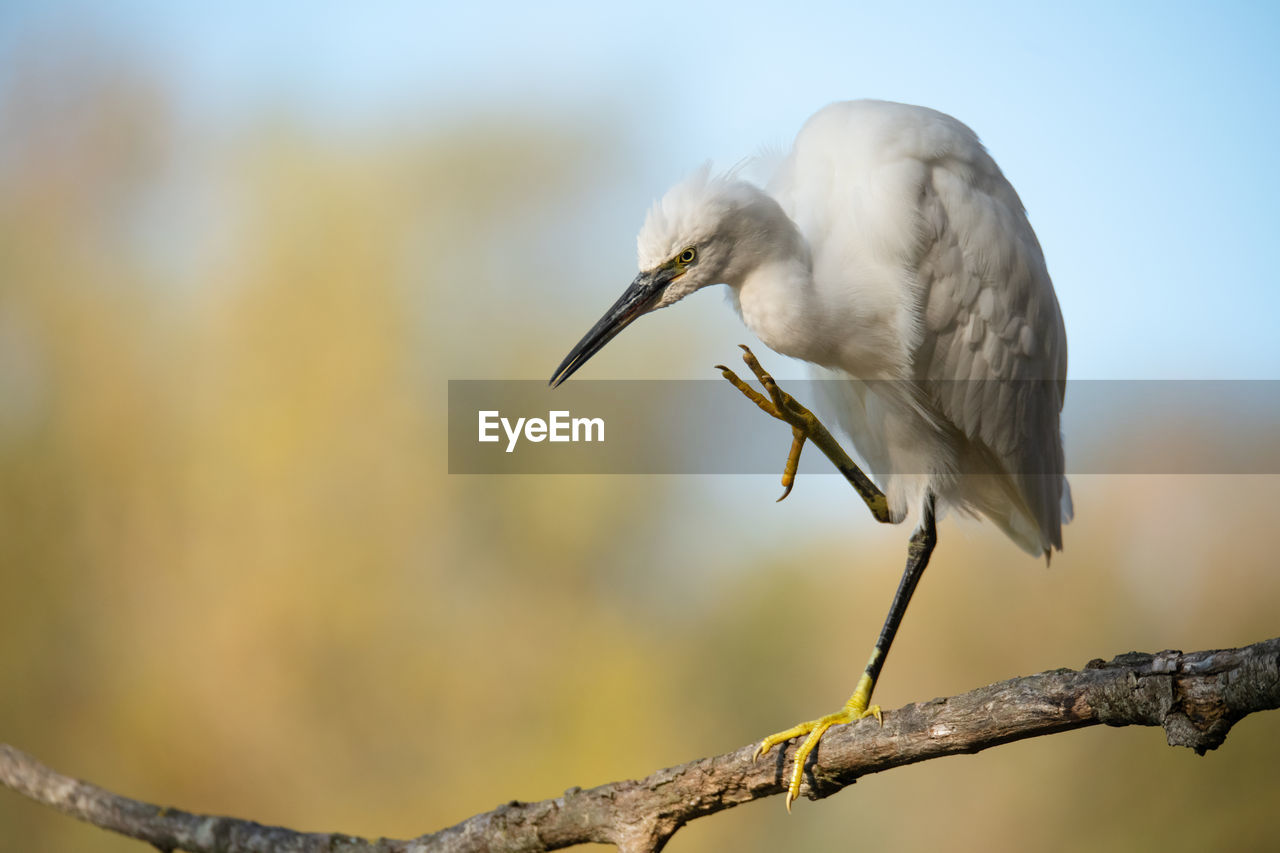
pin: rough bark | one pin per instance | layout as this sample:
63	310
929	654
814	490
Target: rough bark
1195	697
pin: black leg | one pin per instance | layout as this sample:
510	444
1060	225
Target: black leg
859	704
918	551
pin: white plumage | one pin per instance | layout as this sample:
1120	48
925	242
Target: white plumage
890	248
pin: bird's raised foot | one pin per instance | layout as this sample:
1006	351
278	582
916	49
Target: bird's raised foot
780	405
855	709
805	426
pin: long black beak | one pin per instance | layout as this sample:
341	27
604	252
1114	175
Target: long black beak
638	299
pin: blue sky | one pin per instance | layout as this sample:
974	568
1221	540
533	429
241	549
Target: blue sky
1140	135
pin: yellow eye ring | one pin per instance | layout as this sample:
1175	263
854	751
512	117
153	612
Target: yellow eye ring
687	256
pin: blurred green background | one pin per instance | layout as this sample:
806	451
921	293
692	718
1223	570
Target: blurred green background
241	253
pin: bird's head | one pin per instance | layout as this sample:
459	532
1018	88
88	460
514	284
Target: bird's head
705	230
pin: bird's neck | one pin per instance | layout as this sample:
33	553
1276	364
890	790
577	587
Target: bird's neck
771	275
777	302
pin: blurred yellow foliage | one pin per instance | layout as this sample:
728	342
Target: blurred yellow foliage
237	578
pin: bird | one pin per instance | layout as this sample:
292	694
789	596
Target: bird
890	252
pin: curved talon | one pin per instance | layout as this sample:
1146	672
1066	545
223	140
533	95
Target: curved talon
781	405
782	737
813	732
798	437
765	404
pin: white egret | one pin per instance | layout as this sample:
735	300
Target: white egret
888	247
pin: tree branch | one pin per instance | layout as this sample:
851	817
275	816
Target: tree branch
1195	697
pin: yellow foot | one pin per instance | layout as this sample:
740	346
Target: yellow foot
780	405
805	426
855	709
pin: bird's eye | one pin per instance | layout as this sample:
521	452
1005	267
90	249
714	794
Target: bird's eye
687	256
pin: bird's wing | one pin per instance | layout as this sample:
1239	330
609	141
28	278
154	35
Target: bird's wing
992	351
